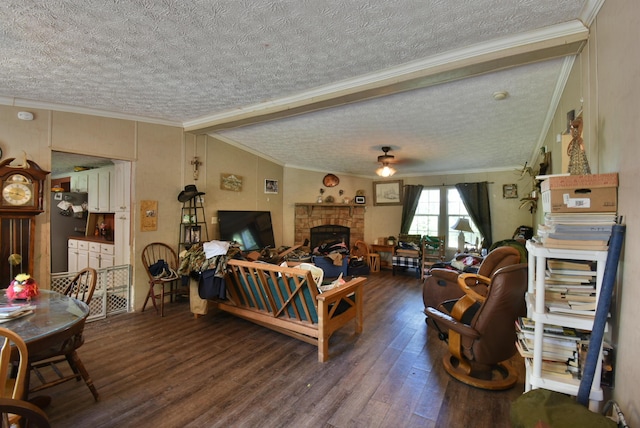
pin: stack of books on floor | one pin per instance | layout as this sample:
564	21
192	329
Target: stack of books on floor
577	231
560	347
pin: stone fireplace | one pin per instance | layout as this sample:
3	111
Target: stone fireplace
348	216
329	232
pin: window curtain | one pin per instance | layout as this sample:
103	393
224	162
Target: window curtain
475	197
409	205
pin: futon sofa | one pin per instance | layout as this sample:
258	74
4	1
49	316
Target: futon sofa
287	300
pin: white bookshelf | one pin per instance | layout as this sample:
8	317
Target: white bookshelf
537	311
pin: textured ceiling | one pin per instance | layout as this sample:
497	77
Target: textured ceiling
202	62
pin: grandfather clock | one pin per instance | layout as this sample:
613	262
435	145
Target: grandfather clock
22	190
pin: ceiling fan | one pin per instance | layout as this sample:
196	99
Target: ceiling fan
386	160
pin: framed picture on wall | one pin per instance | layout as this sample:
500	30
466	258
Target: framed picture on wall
270	186
510	191
387	192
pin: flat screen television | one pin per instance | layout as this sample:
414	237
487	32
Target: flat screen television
252	230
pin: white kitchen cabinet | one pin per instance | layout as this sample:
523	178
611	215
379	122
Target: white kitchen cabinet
79	182
78	255
99	188
121	187
121	237
101	255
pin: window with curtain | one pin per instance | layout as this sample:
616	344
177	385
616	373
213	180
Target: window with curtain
438	210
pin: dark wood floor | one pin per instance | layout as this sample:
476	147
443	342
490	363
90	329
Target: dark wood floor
219	370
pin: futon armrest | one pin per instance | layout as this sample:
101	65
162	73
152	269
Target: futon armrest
342	291
451	323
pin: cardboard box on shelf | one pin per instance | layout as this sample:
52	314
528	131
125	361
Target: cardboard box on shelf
580	193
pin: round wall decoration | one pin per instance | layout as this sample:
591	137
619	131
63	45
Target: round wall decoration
330	180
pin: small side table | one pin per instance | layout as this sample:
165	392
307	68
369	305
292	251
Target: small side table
380	248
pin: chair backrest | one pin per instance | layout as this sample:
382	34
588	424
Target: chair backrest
434	247
498	258
12	384
361	249
495	319
30	414
158	251
83	285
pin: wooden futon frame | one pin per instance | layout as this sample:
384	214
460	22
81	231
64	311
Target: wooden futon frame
287	300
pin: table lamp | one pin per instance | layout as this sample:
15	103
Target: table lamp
463	226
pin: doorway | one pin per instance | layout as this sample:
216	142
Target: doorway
76	181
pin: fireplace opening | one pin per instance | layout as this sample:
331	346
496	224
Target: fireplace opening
329	233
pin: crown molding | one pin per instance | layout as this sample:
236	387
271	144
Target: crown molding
42	105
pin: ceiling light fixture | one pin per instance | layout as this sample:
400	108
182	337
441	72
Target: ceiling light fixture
386	170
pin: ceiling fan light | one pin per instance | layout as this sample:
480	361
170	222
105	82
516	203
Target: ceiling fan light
385	171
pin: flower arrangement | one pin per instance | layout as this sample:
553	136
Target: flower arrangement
22	287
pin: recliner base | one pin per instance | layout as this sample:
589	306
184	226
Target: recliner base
497	377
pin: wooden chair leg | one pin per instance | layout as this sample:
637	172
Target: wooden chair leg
152	295
85	374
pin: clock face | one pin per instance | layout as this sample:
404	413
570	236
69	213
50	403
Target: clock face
17	190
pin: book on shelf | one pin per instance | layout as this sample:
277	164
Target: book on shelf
573	265
549	355
572	288
573	244
580	218
581	228
567	308
590	273
580	236
559	296
526	326
559	368
568	278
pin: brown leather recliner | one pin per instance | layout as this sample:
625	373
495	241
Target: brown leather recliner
442	284
479	347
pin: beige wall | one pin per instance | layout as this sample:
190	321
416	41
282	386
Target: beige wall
304	186
613	82
156	175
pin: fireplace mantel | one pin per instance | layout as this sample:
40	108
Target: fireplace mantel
310	207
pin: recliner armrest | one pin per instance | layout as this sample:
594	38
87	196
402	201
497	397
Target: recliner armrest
451	323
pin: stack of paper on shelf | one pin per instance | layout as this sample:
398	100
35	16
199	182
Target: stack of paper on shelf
586	231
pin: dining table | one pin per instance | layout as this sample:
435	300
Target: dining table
56	320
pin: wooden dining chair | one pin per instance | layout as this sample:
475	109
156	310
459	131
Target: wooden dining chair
13	380
48	359
371	259
82	285
168	278
27	414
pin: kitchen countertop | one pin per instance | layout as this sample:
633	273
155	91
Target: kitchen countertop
92	239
